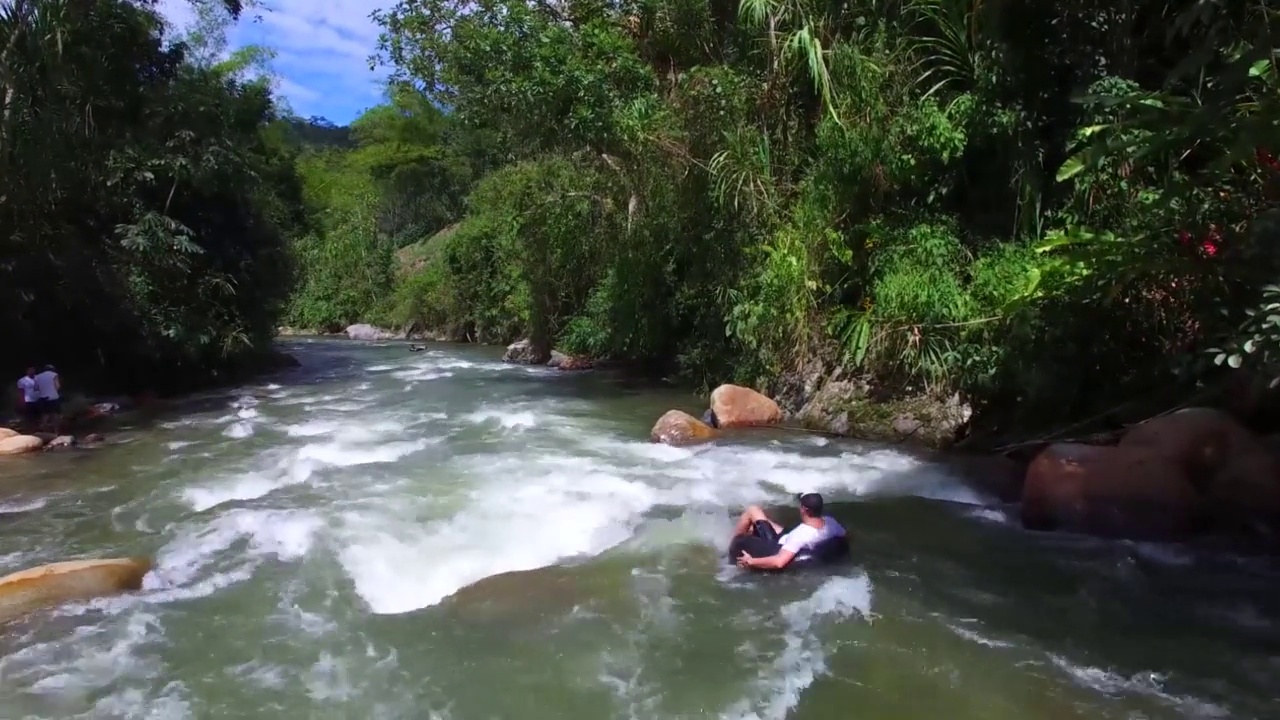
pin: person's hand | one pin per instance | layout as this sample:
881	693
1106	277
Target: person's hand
744	560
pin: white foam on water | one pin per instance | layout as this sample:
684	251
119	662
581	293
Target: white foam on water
350	430
238	431
989	515
386	556
179	444
1149	684
200	560
743	475
422	375
596	496
978	638
349	407
344	454
312	428
21	506
802	659
510	419
119	655
249	486
310	399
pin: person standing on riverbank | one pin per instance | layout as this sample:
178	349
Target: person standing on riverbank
48	385
30	397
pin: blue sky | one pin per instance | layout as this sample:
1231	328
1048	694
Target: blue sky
322	50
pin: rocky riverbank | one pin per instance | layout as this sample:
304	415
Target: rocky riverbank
1197	472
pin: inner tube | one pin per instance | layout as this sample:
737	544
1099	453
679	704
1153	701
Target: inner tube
829	551
764	539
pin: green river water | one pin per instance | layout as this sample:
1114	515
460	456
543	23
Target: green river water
386	534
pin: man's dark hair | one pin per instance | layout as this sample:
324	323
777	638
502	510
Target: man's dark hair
811	502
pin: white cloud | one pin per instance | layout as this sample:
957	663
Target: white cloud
322	49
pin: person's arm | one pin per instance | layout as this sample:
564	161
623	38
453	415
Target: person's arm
57	383
773	562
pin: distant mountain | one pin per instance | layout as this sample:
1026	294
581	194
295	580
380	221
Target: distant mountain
316	132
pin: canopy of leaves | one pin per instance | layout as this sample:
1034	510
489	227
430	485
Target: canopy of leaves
1052	206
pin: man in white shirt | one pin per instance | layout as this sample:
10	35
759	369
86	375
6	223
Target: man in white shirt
764	546
47	386
30	397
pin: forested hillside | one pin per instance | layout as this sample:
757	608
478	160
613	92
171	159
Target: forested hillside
1053	207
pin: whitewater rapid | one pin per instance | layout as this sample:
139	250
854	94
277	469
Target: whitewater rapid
293	522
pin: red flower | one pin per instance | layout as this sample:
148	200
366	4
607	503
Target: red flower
1184	237
1209	248
1265	158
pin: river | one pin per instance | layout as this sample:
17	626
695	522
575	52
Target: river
386	534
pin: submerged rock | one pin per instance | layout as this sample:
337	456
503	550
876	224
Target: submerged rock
1109	491
562	361
60	442
47	585
575	362
737	406
364	331
19	444
680	428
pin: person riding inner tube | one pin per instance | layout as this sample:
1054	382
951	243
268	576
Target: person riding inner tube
759	544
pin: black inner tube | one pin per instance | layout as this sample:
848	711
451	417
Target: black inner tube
763	542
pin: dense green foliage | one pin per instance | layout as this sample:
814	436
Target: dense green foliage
1051	206
391	179
143	213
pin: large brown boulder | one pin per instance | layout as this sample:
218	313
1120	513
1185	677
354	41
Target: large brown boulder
56	583
524	352
736	406
1201	440
1233	468
680	428
1109	491
19	444
994	475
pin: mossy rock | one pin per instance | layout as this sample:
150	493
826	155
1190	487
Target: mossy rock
846	408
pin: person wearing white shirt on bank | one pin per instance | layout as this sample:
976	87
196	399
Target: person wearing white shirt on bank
30	396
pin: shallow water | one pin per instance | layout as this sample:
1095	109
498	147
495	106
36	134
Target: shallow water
385	534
